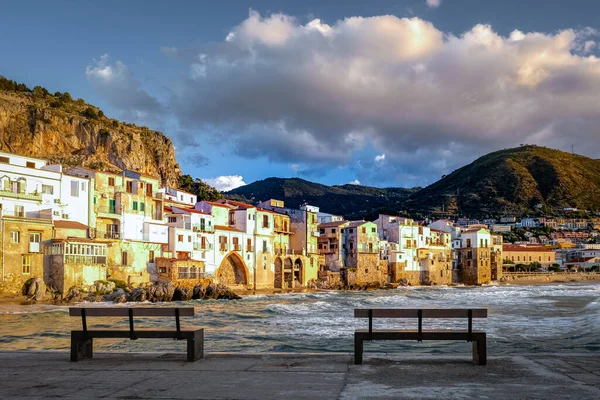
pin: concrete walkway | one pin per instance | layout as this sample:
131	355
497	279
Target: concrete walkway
39	375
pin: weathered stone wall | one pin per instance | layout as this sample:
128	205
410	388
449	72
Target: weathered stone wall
168	269
475	270
437	270
232	272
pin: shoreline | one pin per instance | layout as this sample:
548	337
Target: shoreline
526	280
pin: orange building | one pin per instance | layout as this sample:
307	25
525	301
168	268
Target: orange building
528	254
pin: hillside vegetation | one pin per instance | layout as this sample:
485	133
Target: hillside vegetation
351	201
525	180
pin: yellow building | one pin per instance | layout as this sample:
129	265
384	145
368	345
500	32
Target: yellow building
527	254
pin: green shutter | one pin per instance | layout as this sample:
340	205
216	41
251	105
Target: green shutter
142	207
135	206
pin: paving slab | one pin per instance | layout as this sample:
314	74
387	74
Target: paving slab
44	375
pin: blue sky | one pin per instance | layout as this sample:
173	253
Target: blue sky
249	90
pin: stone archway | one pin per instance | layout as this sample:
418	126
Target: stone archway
298	270
278	278
232	270
288	272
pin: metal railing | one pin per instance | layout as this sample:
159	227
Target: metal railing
26	215
108	210
73	259
202	228
108	235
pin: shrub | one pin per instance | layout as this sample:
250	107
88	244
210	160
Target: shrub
115	123
90	113
56	104
66	97
100	113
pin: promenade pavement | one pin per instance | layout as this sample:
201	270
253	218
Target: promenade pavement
42	375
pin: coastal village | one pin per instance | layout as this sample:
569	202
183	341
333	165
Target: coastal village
76	226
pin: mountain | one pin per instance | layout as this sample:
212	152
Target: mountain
518	181
70	132
351	201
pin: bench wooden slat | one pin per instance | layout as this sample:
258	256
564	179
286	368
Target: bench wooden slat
414	313
137	311
140	333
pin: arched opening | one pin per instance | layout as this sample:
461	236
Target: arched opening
288	272
278	278
232	270
298	271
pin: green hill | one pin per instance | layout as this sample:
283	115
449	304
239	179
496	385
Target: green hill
351	201
514	182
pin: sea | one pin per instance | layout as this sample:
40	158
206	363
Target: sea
557	318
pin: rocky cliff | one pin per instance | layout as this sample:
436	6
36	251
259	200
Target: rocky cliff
70	132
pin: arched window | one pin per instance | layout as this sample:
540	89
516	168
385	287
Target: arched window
5	183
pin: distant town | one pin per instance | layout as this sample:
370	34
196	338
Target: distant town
73	227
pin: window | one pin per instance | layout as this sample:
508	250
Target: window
265	221
203	242
135	206
264	249
26	264
364	230
74	189
351	230
249	245
19	211
15	237
373	230
151	256
4	160
111	181
172	219
249	217
142	207
129	186
189	239
180	238
149	189
47	189
35	238
332	230
181	197
83	187
124	258
30	164
468	242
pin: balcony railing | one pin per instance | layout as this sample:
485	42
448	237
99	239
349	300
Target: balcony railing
202	228
108	235
73	259
236	247
281	252
190	274
109	210
199	247
21	195
26	215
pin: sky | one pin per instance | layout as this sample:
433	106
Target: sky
378	93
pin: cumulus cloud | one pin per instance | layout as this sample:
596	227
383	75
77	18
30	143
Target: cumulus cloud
354	182
434	3
380	158
121	89
226	182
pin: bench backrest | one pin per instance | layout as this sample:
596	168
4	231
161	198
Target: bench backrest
420	313
136	311
371	313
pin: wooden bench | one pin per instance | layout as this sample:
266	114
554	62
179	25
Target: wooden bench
477	337
82	341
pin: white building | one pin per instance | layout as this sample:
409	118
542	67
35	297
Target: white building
178	196
31	188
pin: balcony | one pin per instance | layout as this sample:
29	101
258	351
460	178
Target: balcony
199	247
236	247
112	212
202	228
37	215
84	260
190	274
21	195
281	252
108	235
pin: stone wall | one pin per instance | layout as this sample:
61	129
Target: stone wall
475	270
168	269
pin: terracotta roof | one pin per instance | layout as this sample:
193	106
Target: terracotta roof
354	224
168	209
191	210
69	225
332	224
471	230
512	247
212	203
235	203
226	228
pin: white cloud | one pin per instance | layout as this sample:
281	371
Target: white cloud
319	93
434	3
226	182
121	89
380	158
354	182
588	46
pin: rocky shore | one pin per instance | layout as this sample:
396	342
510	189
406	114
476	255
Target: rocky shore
119	292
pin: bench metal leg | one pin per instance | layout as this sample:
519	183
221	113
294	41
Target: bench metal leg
358	350
81	348
480	352
195	346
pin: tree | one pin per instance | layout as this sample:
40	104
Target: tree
100	113
199	188
39	91
66	97
535	266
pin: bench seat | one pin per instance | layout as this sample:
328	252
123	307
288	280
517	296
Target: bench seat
478	338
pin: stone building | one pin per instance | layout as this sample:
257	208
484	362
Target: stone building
475	256
177	270
331	244
360	252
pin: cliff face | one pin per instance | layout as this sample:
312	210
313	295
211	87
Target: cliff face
68	132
